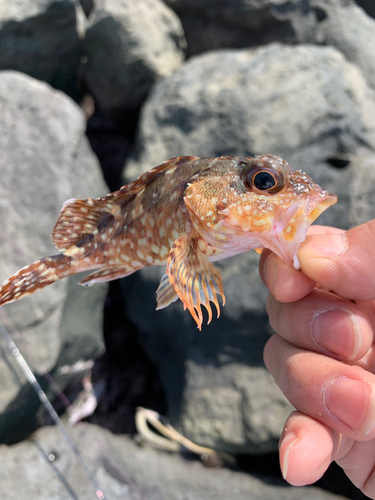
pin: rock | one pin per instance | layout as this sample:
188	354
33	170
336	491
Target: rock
368	6
40	38
45	159
129	46
218	391
112	144
249	23
356	43
87	6
244	23
45	468
240	101
313	108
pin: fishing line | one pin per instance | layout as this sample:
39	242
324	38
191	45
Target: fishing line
65	401
50	409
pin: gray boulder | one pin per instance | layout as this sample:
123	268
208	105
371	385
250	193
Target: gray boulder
213	25
368	6
129	46
45	159
87	6
248	23
278	99
46	468
40	38
348	28
304	103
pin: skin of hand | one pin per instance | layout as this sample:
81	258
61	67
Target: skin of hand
322	355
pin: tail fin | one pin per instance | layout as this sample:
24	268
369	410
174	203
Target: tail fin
34	277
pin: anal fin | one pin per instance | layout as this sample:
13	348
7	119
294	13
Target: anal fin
106	274
194	278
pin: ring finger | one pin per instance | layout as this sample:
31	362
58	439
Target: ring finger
339	395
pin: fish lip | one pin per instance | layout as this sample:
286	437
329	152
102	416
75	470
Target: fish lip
280	242
313	207
312	211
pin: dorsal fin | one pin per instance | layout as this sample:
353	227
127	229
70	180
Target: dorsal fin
133	188
79	218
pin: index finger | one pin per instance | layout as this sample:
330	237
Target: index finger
342	262
284	282
316	229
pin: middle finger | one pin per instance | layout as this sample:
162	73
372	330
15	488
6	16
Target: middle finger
324	323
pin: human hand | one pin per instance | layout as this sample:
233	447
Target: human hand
322	356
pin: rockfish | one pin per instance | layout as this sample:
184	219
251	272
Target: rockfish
186	214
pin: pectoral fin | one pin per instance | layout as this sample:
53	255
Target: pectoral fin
195	280
165	294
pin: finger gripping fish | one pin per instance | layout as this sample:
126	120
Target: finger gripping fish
186	214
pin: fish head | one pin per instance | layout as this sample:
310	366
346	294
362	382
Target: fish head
265	205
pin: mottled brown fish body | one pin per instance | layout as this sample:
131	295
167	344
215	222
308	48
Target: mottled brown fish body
185	214
137	225
118	234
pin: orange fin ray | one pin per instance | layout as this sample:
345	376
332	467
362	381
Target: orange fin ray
165	294
78	218
106	274
196	280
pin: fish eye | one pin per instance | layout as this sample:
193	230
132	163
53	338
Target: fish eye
264	181
265	175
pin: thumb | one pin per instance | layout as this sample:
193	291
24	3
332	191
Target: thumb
344	262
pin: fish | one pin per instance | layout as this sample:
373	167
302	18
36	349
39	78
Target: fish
184	214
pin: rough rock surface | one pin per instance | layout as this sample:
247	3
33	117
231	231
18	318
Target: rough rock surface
40	38
356	43
277	98
248	23
45	468
129	46
218	392
45	159
212	25
306	104
368	6
87	6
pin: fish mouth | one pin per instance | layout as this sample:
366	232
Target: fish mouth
317	208
293	226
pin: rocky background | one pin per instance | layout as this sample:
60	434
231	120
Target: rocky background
92	94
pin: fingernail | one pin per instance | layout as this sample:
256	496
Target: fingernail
351	402
325	245
288	442
338	331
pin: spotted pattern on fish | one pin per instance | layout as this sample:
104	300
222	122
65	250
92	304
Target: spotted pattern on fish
185	213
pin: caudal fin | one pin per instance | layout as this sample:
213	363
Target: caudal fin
34	277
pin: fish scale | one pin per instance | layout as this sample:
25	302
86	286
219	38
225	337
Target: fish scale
185	213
